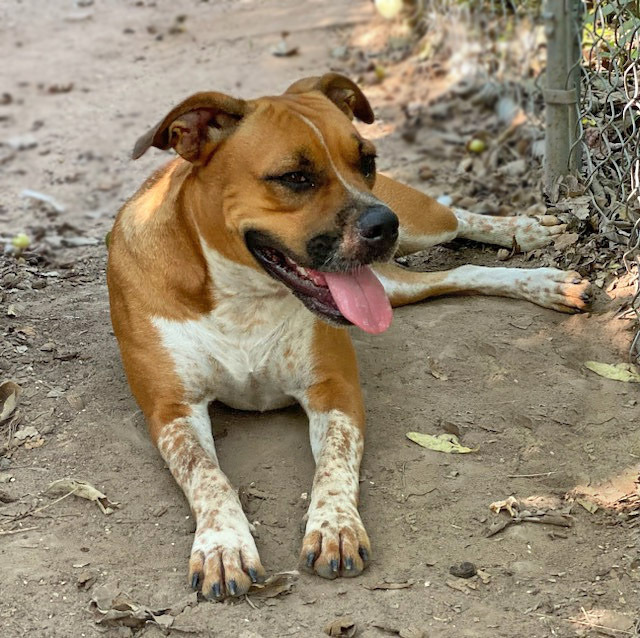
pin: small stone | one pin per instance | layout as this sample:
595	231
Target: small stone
463	570
39	284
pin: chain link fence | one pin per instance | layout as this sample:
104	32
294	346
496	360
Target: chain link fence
574	67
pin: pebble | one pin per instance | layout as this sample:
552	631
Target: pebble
463	570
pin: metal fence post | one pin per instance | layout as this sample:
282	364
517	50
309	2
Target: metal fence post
559	100
574	61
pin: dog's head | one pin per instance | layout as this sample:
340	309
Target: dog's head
290	180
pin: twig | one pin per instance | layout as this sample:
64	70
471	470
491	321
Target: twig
7	532
250	602
531	475
586	624
44	507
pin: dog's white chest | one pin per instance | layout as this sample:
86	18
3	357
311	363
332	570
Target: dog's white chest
251	356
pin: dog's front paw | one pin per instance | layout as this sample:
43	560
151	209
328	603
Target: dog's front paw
335	542
536	232
224	559
565	291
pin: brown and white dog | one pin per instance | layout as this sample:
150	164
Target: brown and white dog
232	274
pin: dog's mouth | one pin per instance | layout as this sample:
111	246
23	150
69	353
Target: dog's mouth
353	297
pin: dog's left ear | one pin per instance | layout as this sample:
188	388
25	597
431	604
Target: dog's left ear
195	127
344	93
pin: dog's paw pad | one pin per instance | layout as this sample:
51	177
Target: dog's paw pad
224	562
536	232
565	291
335	546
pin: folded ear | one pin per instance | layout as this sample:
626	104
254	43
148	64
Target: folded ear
195	127
344	93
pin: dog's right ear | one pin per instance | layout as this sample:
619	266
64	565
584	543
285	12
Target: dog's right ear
195	127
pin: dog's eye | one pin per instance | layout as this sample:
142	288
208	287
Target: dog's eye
297	181
368	165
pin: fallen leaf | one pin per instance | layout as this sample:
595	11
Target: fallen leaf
484	576
436	369
33	443
112	608
343	627
442	443
26	433
563	241
275	585
9	393
592	508
457	585
86	579
605	621
83	490
510	504
616	371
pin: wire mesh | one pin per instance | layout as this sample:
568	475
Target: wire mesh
608	135
605	147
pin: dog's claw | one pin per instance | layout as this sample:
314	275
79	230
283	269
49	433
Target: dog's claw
233	587
348	564
195	581
253	575
364	554
311	558
334	565
216	590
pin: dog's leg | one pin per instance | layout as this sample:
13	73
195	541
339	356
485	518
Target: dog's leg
424	222
224	559
547	287
335	541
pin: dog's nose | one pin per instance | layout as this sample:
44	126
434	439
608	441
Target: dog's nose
378	225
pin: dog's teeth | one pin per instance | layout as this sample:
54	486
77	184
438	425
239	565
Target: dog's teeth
302	271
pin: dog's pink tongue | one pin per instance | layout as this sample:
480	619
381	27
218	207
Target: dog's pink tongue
361	298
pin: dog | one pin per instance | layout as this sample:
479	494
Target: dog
232	274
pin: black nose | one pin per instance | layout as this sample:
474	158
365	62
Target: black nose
378	225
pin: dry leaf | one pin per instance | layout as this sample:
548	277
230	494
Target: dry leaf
616	371
436	369
484	576
83	490
9	393
343	627
510	504
26	433
458	585
113	608
275	585
592	508
605	621
442	443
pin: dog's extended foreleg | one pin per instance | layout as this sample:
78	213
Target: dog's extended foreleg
224	559
548	287
520	231
424	222
335	541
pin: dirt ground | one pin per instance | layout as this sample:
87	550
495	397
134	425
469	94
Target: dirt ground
79	83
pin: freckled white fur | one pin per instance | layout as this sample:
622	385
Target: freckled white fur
548	287
413	243
528	232
338	490
235	354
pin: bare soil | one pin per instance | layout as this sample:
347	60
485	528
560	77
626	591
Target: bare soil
82	83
